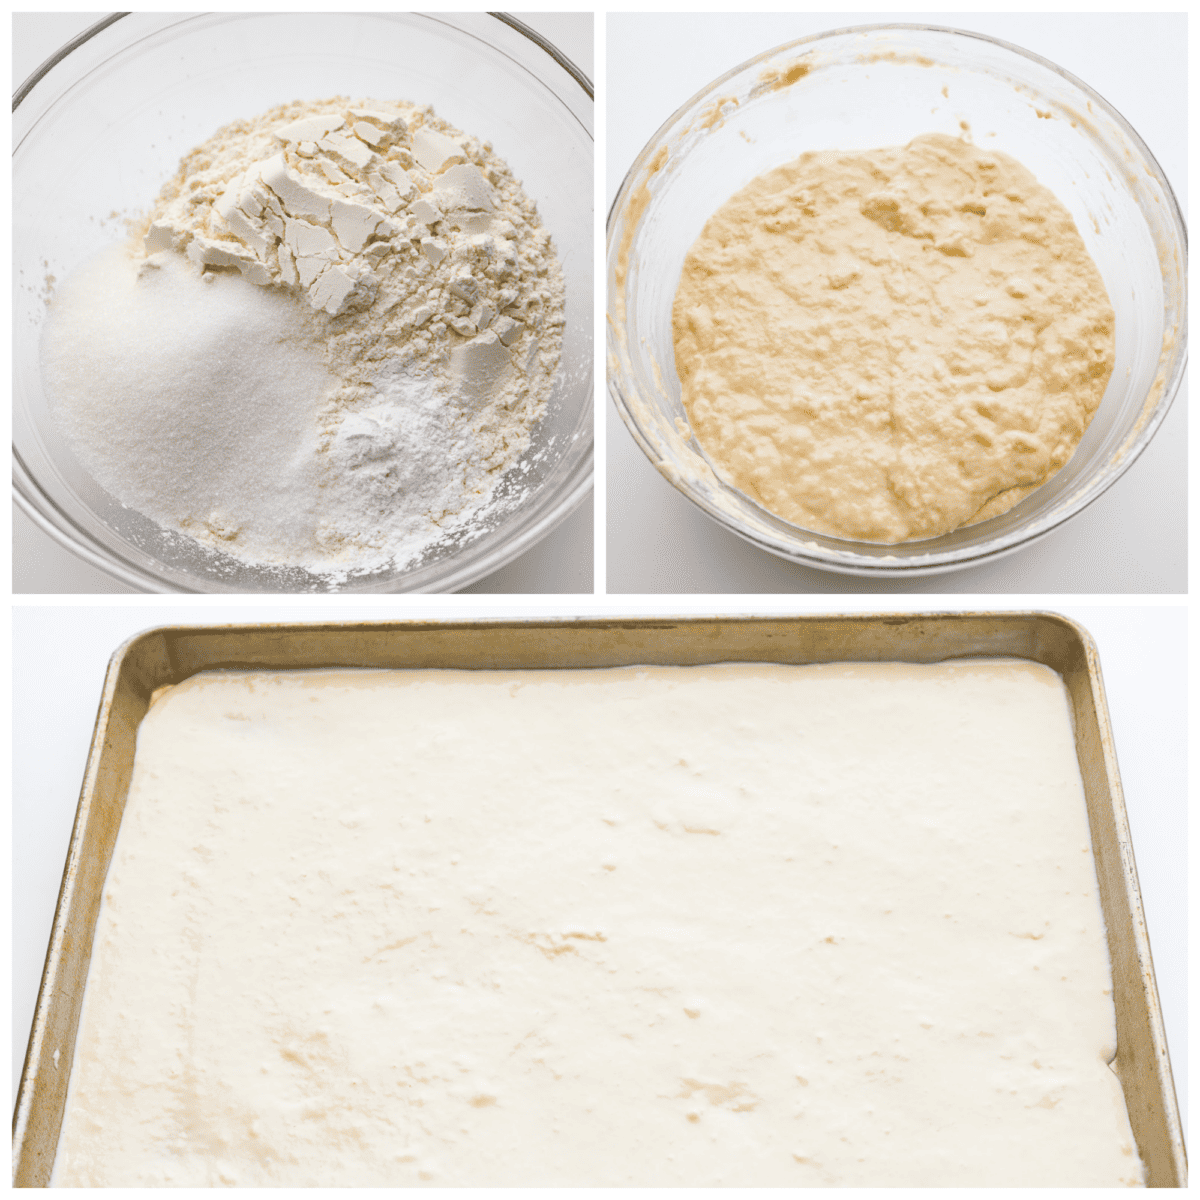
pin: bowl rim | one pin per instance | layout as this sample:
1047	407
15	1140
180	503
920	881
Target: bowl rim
63	529
936	562
92	30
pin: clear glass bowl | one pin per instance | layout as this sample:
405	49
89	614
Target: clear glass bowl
97	134
874	86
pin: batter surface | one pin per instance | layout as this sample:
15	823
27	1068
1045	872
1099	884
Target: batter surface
741	925
887	345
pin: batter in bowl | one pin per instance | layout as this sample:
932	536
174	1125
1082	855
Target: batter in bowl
887	345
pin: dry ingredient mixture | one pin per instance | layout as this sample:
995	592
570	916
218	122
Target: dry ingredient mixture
888	345
333	338
742	925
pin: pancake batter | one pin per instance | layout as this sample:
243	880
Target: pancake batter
885	346
740	925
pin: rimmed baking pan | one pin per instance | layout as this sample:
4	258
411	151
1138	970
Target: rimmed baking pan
166	656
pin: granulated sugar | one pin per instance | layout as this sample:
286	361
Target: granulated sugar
191	399
332	340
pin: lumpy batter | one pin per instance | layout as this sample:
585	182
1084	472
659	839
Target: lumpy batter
884	346
741	925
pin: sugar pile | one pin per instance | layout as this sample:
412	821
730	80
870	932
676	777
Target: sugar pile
183	396
332	340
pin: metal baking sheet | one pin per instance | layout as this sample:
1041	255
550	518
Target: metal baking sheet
166	656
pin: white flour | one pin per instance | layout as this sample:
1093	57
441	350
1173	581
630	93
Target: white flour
335	336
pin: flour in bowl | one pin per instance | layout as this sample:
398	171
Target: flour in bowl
331	341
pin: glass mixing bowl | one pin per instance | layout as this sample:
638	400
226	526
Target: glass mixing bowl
102	128
859	89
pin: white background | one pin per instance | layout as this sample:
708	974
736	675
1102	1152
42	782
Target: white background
561	562
1132	539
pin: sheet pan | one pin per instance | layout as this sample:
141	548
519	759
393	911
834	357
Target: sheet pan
166	656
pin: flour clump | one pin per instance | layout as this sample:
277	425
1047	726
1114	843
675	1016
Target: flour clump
385	283
887	345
